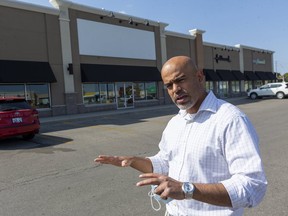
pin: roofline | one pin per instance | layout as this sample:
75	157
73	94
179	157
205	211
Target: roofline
221	46
103	12
177	34
29	7
254	48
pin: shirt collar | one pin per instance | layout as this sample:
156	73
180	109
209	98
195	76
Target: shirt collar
209	104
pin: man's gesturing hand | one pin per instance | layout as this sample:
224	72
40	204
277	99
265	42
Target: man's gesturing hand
120	161
167	187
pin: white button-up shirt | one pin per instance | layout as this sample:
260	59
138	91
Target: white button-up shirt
218	144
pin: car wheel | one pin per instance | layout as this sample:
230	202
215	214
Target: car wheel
280	95
28	136
253	96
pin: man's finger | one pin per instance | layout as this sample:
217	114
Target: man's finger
149	175
149	181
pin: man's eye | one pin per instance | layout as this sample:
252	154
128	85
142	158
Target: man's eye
180	80
168	86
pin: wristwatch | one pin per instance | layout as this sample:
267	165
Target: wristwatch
188	189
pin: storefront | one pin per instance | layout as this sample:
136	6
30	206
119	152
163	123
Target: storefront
257	66
75	59
231	71
124	86
22	79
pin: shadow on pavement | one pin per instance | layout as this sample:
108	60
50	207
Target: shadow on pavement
117	118
39	141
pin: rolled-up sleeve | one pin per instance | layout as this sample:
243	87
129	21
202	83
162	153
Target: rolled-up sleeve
159	166
160	161
247	185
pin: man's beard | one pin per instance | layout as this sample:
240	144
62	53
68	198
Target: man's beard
184	106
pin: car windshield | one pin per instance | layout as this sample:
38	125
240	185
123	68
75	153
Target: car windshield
14	105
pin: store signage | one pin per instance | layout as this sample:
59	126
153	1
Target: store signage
259	61
221	58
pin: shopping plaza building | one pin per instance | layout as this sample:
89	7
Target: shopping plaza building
73	58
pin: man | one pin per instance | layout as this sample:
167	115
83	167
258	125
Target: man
209	161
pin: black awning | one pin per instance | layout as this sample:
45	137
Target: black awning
25	72
238	74
211	75
118	73
226	75
250	75
262	75
271	75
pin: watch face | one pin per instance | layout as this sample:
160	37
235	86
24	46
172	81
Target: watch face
188	188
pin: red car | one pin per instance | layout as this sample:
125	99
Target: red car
17	117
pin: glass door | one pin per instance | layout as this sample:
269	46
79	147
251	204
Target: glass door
124	95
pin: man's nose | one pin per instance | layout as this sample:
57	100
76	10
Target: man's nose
176	87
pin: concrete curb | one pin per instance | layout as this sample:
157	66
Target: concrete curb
102	113
115	112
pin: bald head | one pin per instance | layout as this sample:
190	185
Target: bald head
179	63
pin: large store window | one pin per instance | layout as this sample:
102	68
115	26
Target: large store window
145	91
223	88
209	86
98	93
102	93
235	86
139	91
248	85
151	90
36	94
9	90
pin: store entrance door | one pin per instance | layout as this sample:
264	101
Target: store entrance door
124	95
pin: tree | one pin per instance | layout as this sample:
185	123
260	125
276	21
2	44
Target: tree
286	77
280	77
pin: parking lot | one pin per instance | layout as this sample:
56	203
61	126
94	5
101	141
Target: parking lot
54	174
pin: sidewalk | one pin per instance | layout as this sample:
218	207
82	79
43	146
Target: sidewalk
116	112
102	113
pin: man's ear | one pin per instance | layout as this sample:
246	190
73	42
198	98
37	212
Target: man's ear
201	75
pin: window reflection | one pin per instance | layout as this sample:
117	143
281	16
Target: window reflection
151	90
90	93
209	86
101	93
223	88
10	90
139	91
111	93
36	94
98	93
235	86
145	91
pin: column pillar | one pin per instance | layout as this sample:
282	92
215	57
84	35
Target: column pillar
64	22
163	43
197	33
163	96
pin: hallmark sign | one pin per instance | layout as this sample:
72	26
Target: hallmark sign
221	58
259	61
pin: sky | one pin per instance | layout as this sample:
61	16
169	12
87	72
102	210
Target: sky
261	24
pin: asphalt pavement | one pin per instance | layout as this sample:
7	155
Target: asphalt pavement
54	174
